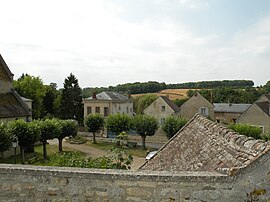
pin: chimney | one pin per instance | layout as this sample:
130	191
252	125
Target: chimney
94	95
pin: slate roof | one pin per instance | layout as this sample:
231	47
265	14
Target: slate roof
204	145
11	105
231	107
264	106
4	65
174	107
108	95
268	96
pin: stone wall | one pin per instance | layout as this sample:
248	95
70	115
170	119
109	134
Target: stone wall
32	183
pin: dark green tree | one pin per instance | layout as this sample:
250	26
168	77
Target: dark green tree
118	123
145	126
49	129
27	134
71	102
94	122
5	139
142	102
68	128
172	125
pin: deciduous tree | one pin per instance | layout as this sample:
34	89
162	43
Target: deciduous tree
172	125
94	122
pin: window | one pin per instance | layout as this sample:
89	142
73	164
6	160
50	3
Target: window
106	111
203	111
163	108
89	110
98	110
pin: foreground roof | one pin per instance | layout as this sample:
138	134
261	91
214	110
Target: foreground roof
231	107
204	145
173	106
11	105
107	95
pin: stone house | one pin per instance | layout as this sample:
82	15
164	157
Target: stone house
258	114
228	112
107	103
204	145
197	104
12	105
161	108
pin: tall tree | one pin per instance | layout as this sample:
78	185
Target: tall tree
145	126
71	103
32	87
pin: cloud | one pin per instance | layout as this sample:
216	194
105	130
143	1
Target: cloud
194	4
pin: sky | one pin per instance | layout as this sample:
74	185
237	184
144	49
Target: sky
110	42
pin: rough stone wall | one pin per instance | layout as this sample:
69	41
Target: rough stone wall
30	183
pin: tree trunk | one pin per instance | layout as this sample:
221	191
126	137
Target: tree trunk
60	144
44	150
22	155
143	142
94	138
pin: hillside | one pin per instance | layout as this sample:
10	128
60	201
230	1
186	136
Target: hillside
172	94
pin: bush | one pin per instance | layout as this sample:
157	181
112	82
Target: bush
248	130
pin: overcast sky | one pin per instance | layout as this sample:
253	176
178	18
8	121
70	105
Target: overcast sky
108	42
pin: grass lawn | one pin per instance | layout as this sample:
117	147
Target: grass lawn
138	151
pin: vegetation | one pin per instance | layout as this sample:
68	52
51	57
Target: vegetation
172	125
180	102
5	138
145	126
118	123
68	128
142	102
248	130
94	122
71	102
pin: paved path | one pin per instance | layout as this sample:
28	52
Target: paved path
95	152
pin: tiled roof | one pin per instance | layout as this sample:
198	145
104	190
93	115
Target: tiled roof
174	107
264	106
11	105
203	145
4	65
231	107
268	96
107	95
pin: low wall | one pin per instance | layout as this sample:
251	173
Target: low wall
32	183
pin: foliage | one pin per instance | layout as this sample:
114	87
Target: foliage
68	128
122	138
142	102
180	102
51	94
5	138
248	130
94	122
265	136
118	160
118	123
32	87
27	133
172	125
145	126
71	102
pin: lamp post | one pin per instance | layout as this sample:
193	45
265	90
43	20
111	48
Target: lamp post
14	145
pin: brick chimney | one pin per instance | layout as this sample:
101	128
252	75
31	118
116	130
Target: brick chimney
94	95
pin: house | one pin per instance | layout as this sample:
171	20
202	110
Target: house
228	112
197	104
204	145
107	103
258	114
12	105
161	108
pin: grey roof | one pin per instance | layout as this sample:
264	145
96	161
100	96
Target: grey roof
4	65
204	145
230	107
174	107
108	95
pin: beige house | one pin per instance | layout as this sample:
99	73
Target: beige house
12	106
197	104
161	108
107	103
258	114
228	112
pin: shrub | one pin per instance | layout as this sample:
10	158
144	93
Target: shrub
248	130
